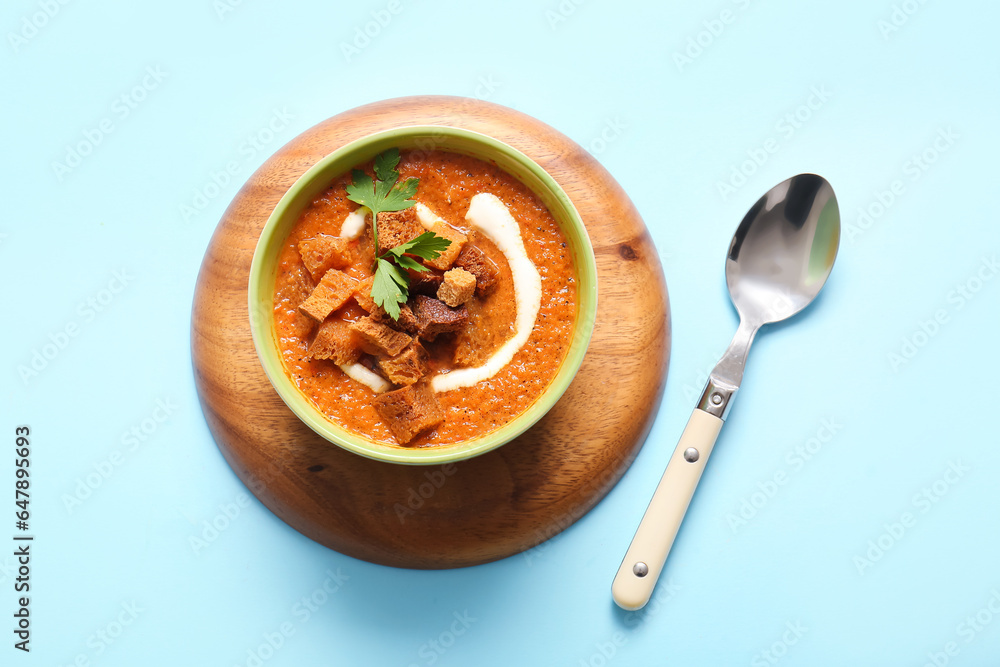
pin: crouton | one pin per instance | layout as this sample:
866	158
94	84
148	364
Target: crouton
409	411
447	257
397	227
424	282
406	321
363	294
406	367
457	288
435	317
333	291
475	261
334	341
322	253
289	295
297	287
379	338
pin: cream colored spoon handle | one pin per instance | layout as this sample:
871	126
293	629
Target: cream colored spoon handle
644	560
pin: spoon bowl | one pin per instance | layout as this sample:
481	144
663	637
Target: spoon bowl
783	250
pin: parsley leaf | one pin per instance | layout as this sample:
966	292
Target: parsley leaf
391	283
385	165
360	190
399	197
389	289
410	263
384	194
428	246
391	286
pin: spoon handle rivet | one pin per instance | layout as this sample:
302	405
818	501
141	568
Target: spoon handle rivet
640	569
690	454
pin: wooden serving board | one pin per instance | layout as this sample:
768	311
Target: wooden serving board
474	511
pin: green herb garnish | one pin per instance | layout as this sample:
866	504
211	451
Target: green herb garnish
384	194
391	286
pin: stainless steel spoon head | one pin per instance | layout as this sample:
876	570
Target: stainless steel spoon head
783	250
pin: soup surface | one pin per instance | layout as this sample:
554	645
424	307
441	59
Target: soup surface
447	184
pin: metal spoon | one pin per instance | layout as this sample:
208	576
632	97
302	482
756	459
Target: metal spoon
780	257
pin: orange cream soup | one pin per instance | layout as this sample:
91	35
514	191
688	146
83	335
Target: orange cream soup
447	182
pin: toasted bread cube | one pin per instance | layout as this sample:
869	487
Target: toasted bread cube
397	227
409	411
324	252
406	367
333	291
435	317
424	282
457	288
298	287
379	338
289	295
447	257
475	261
363	294
406	321
334	341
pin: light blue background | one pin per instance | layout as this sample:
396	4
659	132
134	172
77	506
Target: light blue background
604	73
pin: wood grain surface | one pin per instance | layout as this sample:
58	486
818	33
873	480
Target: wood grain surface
474	511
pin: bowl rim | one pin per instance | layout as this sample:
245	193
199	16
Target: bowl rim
262	320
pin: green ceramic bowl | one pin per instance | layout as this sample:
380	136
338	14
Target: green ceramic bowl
263	272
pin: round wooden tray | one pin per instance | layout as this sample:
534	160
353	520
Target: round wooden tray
474	511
